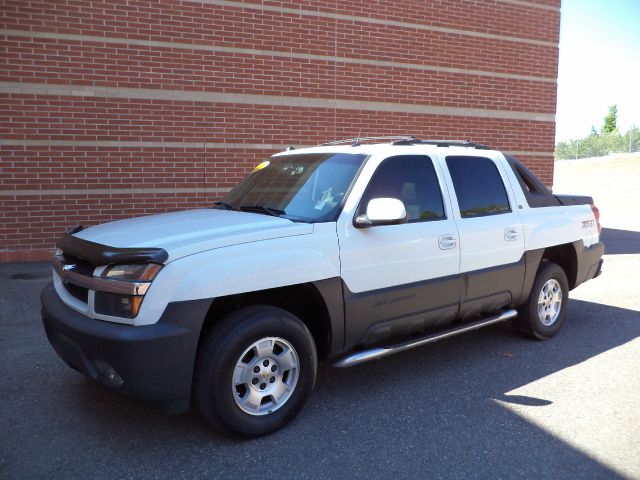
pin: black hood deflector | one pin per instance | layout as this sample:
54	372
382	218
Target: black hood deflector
98	254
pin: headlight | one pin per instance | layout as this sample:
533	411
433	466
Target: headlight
127	306
144	272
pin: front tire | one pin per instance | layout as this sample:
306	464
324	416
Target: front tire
545	311
255	371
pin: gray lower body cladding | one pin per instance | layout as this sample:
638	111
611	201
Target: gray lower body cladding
391	313
154	363
395	312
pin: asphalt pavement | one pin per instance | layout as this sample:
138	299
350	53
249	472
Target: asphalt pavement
488	404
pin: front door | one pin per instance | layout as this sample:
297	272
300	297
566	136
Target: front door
400	279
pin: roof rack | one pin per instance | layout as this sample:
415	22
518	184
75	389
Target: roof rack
358	140
407	140
442	143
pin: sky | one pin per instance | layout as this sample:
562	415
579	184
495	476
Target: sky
599	65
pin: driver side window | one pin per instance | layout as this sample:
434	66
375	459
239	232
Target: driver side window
411	179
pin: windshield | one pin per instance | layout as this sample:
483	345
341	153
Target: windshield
307	187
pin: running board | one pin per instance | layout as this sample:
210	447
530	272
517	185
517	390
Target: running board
379	352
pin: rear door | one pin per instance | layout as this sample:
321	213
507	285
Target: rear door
399	278
491	232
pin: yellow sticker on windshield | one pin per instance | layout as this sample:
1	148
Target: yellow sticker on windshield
261	166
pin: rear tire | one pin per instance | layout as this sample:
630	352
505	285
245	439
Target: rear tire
255	371
545	311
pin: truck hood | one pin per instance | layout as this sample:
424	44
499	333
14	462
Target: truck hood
193	231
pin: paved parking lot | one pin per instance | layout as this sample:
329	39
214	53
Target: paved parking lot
488	404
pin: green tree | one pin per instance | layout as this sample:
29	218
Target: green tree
631	140
611	120
608	140
598	144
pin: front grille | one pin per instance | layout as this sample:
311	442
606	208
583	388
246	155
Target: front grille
81	267
80	293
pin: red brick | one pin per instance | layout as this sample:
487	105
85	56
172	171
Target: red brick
29	224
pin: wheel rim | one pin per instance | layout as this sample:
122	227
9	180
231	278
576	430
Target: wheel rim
265	376
550	302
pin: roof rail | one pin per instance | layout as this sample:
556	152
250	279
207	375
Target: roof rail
358	140
407	140
442	143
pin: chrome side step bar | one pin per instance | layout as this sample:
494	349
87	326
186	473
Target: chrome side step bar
379	352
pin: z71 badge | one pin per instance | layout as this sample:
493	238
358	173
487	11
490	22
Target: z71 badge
588	224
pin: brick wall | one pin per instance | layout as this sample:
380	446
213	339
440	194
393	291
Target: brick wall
115	108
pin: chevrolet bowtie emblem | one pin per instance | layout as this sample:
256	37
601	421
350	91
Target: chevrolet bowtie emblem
265	374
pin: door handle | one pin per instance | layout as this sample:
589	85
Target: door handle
446	242
511	234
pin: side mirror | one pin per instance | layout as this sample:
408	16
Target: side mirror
382	211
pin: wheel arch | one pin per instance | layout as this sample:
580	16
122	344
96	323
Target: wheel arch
565	256
317	304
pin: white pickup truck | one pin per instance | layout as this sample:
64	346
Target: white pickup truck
344	253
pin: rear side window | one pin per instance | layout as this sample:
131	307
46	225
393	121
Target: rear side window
412	179
478	186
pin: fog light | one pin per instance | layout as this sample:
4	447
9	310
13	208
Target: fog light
116	305
108	374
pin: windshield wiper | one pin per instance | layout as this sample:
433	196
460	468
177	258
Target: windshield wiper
275	212
226	206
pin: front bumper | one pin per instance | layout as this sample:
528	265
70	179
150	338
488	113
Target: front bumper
153	362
